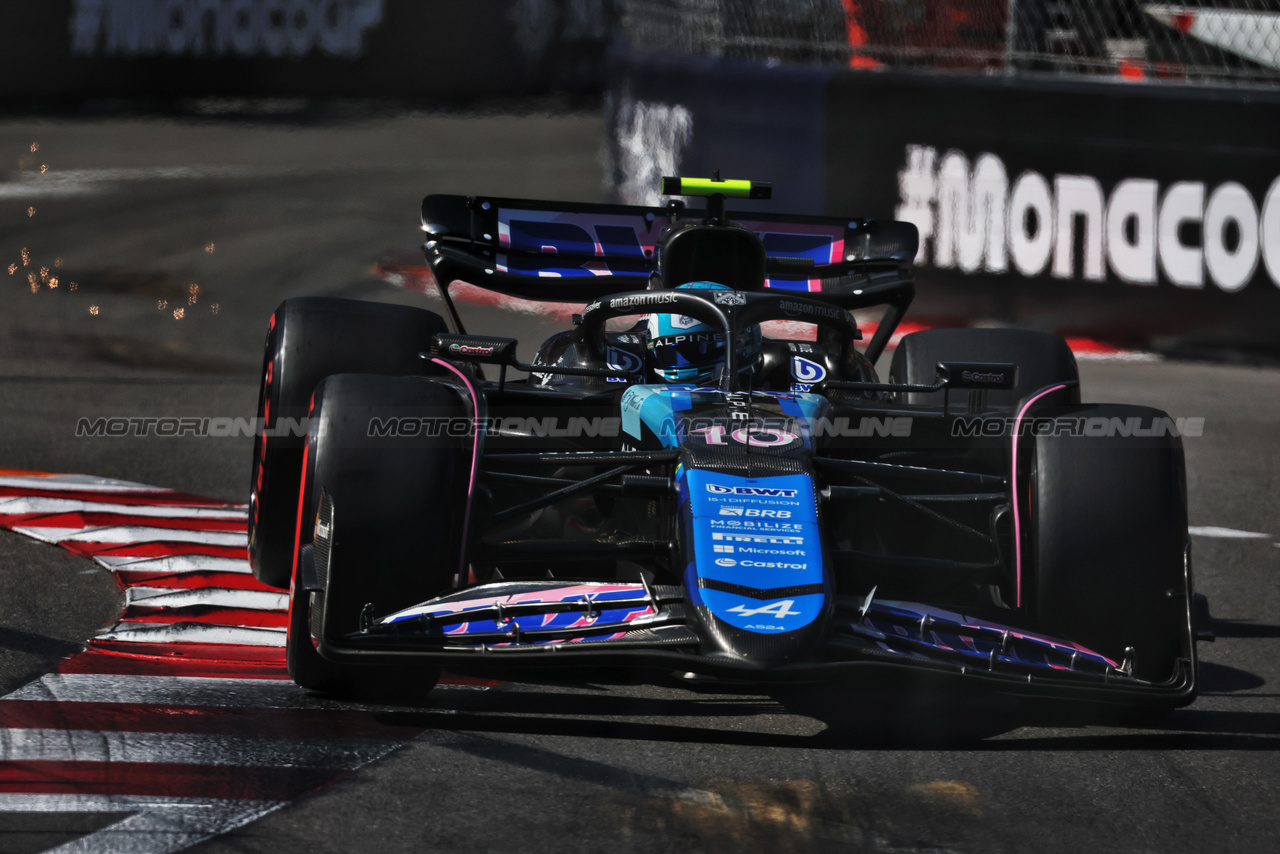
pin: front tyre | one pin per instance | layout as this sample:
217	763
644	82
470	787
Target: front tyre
1104	541
309	339
390	457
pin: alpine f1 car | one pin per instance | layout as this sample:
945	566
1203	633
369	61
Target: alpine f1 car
664	486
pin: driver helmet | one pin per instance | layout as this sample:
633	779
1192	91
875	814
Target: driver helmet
685	350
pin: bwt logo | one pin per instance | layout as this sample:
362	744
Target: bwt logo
806	371
976	219
222	27
764	491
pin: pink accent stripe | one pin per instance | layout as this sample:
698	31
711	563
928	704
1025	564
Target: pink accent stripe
92	519
1013	490
475	466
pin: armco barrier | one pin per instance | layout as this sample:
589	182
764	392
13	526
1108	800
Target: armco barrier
443	50
1142	214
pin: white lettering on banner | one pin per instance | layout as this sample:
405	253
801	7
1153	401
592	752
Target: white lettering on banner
200	28
649	141
1133	206
1184	265
975	220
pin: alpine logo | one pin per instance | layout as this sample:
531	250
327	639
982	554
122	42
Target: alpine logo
763	491
780	609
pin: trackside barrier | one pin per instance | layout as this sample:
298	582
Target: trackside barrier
443	50
1141	214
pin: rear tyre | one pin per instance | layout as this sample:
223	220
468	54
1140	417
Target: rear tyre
397	503
1042	360
1105	537
309	339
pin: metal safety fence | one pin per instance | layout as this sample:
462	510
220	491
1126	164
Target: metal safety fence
1211	41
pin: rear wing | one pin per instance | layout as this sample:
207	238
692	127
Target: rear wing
573	252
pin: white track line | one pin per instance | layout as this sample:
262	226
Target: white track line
159	825
51	506
79	483
164	691
1225	533
165	830
173	564
57	745
222	597
134	535
194	633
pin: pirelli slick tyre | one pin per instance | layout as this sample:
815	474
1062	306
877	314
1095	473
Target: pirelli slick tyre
1042	360
388	493
309	339
1105	533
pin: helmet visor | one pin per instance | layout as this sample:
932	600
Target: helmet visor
693	350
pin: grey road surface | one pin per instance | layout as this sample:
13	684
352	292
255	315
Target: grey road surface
135	212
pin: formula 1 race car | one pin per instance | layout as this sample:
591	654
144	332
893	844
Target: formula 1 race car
683	492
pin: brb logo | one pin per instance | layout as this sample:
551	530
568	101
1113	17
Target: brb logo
975	218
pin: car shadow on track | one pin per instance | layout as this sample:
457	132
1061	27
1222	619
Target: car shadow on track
880	714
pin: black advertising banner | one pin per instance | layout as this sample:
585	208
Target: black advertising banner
441	49
692	116
1141	212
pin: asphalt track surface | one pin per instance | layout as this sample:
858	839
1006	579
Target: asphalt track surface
139	209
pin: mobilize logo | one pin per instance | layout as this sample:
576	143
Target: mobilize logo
751	490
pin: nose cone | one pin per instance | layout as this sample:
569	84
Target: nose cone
756	577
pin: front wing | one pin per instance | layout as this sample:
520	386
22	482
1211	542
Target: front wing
557	622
